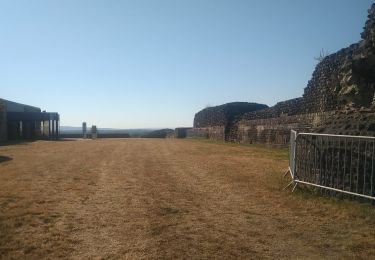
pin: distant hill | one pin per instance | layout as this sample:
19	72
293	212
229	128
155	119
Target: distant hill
74	130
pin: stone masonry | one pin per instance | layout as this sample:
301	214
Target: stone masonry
216	122
338	99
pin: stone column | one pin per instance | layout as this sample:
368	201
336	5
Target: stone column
94	132
57	129
84	130
49	129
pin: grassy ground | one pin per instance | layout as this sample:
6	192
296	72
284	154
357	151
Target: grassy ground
149	198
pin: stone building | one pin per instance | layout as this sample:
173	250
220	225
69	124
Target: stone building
19	121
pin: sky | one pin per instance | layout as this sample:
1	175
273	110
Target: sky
155	63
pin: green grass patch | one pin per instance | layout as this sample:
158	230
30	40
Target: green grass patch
269	151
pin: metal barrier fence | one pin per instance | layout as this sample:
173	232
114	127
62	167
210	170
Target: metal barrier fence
340	163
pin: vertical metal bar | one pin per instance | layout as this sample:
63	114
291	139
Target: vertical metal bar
300	174
344	175
312	158
364	169
338	165
296	156
332	159
308	145
315	169
359	146
351	163
308	159
304	158
326	162
320	160
372	168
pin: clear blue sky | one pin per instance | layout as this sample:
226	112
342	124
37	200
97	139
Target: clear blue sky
155	63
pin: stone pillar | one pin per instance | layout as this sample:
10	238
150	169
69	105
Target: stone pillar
53	129
37	129
49	130
94	132
20	130
45	129
84	130
57	129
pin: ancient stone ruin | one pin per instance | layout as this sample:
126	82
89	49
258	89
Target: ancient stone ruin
181	132
94	132
84	130
162	133
217	122
338	99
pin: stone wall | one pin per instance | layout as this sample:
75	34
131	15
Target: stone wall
277	130
222	115
181	132
162	133
211	132
348	122
338	99
216	122
289	107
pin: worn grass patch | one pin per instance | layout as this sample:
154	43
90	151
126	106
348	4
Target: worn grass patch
169	199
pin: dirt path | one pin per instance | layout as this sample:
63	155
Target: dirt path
167	199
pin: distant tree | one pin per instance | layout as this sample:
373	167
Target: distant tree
323	53
208	105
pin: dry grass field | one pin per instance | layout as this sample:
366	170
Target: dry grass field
167	199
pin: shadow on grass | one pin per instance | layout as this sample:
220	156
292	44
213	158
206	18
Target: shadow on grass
16	142
26	142
5	158
67	139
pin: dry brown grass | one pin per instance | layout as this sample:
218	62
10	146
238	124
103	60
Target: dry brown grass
151	198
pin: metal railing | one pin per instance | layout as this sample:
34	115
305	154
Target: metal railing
340	163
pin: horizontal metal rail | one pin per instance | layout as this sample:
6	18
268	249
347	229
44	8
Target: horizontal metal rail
333	189
331	135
